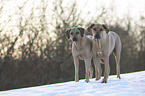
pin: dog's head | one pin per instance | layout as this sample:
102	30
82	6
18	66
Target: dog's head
75	34
98	30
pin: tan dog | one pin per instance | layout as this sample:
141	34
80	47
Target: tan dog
81	49
104	43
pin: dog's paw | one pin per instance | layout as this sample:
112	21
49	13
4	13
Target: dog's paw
119	77
87	81
104	81
97	79
76	80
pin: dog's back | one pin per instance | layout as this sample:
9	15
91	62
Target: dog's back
114	35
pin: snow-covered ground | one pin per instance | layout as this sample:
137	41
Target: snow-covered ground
131	84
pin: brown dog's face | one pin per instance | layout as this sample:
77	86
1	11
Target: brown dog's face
75	34
97	30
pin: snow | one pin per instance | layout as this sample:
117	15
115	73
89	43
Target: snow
130	84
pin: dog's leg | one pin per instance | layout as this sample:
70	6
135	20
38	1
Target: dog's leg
91	70
118	66
76	63
107	70
117	58
87	66
97	68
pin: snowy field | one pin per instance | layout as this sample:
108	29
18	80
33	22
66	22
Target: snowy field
131	84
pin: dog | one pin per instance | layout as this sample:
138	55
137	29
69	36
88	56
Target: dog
104	43
81	49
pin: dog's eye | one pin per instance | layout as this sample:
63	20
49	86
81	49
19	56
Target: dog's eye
71	33
77	33
94	29
101	29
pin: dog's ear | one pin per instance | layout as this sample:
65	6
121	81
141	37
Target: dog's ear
104	26
67	33
81	31
90	26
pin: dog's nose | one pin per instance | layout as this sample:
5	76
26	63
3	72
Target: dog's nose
97	36
74	38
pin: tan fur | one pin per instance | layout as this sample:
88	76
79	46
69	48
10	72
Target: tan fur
102	48
81	49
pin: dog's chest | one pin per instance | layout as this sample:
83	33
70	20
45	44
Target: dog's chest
98	51
81	55
98	48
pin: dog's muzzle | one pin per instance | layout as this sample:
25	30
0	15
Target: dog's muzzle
74	38
97	36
